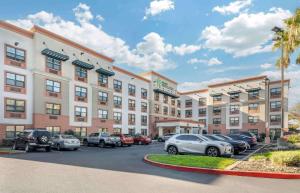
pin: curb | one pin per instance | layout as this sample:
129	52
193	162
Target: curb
257	174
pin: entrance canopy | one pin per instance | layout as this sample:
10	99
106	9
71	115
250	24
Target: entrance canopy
178	126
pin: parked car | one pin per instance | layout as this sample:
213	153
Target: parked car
250	140
238	146
165	137
141	139
125	139
249	134
229	138
65	142
32	139
197	144
102	140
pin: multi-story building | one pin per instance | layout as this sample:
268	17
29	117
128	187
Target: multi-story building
54	83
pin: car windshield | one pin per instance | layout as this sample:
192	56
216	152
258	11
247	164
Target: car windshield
68	137
40	133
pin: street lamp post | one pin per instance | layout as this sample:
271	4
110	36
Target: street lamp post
267	116
280	30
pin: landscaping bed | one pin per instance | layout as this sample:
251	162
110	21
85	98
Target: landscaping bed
193	161
272	161
8	151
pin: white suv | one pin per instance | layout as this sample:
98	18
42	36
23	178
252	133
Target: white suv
194	143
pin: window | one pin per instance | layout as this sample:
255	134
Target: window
80	111
131	104
117	101
144	107
15	53
275	92
165	110
202	112
144	93
80	91
53	130
118	116
233	131
275	105
103	79
252	119
102	130
80	132
117	85
253	106
253	94
15	79
156	108
203	121
102	114
188	103
131	131
234	121
103	96
144	120
178	103
216	131
15	105
275	118
234	97
117	130
202	101
216	120
173	101
166	99
131	119
156	96
178	113
131	89
217	98
217	110
254	131
53	109
53	63
11	131
144	132
53	86
173	111
81	72
234	109
188	113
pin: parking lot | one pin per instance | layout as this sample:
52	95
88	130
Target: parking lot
90	166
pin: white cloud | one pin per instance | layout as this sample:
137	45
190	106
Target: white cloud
209	62
100	18
233	7
229	68
293	73
158	6
266	66
186	49
188	86
151	53
245	34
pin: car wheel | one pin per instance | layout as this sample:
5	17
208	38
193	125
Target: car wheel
48	149
172	150
85	143
212	151
27	148
58	147
101	144
75	149
14	147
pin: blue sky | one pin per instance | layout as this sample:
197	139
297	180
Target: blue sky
191	41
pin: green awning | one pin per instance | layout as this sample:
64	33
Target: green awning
105	72
234	92
56	55
83	64
253	89
166	93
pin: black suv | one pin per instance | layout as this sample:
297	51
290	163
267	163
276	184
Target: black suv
33	139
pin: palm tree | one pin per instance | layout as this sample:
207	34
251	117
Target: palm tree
288	40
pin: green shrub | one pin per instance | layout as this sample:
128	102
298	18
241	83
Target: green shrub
286	158
293	139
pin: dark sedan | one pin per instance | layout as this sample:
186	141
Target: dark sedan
250	140
238	146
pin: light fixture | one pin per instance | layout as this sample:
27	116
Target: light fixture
16	43
81	53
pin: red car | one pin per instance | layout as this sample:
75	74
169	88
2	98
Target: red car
125	139
142	139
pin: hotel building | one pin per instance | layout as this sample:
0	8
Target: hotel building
54	83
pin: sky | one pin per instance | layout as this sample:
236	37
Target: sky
193	42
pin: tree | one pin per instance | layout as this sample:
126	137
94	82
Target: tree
288	40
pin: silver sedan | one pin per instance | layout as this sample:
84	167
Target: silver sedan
65	142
